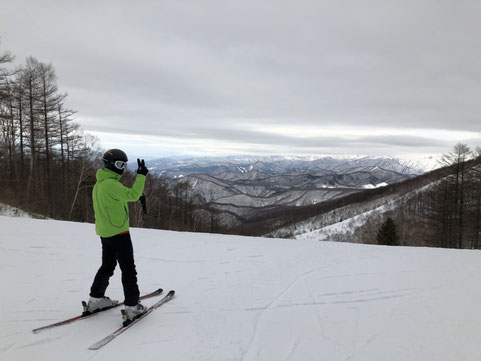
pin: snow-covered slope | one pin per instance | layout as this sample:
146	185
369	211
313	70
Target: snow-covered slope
240	298
6	210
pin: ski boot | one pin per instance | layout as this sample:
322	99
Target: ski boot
130	313
98	304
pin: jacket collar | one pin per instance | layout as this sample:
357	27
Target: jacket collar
104	173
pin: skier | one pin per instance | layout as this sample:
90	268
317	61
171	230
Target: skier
110	199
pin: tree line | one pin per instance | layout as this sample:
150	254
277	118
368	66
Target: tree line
451	208
443	212
45	157
49	164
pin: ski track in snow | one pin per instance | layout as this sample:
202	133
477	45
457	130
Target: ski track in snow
240	298
285	290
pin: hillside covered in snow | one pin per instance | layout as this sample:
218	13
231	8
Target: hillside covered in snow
6	210
240	298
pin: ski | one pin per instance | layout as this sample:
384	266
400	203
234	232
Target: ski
114	334
87	314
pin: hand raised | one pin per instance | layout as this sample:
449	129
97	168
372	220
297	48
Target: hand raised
142	169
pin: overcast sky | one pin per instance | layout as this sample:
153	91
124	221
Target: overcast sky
320	77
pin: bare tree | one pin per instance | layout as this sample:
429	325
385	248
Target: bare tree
88	150
38	138
6	116
457	159
30	81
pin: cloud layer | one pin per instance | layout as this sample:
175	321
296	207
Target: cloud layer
237	73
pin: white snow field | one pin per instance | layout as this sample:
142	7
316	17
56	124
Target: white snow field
240	298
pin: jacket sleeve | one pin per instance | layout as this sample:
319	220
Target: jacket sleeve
123	193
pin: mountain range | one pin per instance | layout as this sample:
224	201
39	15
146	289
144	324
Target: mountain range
240	188
176	167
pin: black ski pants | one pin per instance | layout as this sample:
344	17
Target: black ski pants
117	248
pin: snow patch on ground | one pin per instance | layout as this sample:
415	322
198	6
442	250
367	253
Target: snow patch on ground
373	186
9	211
240	298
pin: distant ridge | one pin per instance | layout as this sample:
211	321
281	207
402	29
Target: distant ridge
175	167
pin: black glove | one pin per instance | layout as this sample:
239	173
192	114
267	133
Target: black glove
142	169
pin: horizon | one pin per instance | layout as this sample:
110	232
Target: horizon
417	165
157	152
308	157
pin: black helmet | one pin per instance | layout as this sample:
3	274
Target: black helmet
115	160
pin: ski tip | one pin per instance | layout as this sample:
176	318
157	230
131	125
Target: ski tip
159	291
36	331
171	293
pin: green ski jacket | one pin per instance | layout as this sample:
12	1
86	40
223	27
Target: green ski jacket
110	198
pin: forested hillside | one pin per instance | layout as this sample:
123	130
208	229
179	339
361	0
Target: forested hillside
447	213
48	163
439	209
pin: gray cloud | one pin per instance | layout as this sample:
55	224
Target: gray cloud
201	70
313	143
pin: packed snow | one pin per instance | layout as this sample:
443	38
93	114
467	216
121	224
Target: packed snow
240	298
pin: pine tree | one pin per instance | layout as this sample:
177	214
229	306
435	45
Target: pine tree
387	234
